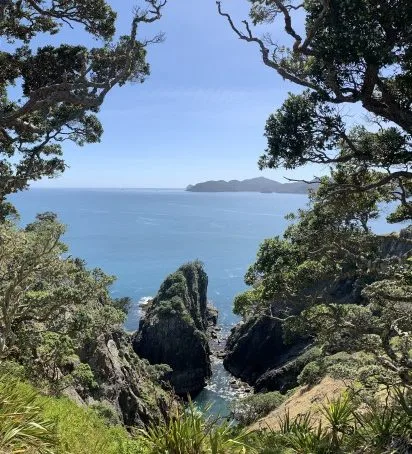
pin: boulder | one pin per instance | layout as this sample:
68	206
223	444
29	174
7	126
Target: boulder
174	330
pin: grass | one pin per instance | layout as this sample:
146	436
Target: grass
35	424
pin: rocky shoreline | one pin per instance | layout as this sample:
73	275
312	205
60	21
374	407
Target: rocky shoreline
236	387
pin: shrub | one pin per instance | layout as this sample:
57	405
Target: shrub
23	426
107	412
311	374
248	410
191	433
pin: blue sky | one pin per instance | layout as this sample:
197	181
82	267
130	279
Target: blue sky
199	116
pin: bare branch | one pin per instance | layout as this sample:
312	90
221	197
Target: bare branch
84	92
248	36
315	181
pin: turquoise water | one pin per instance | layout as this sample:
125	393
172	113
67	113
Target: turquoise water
142	235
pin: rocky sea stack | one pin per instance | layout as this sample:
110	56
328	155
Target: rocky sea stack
174	329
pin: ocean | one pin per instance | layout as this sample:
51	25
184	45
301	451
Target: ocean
142	235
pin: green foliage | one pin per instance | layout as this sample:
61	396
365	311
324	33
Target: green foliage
191	433
106	412
341	366
343	54
345	428
23	426
306	130
33	424
381	328
322	246
55	354
311	374
249	409
247	302
51	304
82	431
183	292
63	86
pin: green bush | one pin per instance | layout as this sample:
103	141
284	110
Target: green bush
249	409
35	424
190	432
341	366
23	425
107	412
311	374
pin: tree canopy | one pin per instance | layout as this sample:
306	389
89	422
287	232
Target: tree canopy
50	304
53	94
350	52
329	277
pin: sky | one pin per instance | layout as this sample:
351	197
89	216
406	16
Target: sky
199	116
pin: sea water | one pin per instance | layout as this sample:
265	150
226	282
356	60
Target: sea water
142	235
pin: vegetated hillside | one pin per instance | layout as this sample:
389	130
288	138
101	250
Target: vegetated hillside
260	184
305	399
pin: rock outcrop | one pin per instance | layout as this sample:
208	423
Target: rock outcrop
256	347
174	329
397	245
256	351
125	382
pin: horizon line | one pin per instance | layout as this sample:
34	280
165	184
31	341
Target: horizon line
101	187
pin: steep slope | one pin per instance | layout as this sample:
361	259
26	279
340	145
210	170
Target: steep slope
125	381
302	401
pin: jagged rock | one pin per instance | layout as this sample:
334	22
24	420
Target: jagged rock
396	245
212	316
285	377
257	346
174	329
124	380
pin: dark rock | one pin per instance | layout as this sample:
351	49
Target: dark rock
212	315
284	378
256	351
257	346
125	381
174	329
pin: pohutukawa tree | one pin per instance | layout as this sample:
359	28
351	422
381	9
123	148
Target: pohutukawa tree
52	94
340	52
346	51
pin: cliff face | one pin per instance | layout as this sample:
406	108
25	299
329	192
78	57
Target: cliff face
125	381
256	347
397	245
174	329
256	351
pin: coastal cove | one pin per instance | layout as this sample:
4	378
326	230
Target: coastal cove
143	235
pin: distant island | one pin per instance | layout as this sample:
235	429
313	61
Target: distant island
260	184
